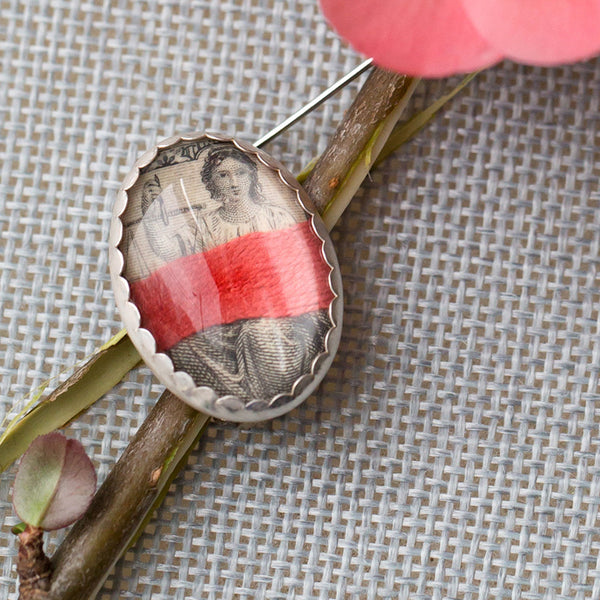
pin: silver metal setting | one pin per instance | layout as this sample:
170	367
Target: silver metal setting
204	398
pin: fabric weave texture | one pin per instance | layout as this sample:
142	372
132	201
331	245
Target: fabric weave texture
453	449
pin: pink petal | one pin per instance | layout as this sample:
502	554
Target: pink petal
542	32
429	38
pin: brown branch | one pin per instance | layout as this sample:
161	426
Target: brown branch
33	566
378	98
97	541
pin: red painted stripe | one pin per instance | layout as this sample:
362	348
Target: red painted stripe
265	274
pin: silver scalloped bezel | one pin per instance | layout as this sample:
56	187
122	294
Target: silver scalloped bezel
204	398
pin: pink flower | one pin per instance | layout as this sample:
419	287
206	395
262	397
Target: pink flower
435	38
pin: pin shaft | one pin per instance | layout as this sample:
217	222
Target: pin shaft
307	108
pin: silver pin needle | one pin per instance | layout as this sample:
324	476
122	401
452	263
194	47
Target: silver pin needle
330	91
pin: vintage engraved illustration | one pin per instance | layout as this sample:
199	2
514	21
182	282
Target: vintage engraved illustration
231	283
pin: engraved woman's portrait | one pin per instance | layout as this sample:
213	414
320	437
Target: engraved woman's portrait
220	269
231	178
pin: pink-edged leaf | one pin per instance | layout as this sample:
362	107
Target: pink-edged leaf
37	477
542	32
55	482
428	38
75	489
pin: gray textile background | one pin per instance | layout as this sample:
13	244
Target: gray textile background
453	450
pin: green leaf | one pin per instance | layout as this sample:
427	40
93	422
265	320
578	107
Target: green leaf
38	477
306	171
407	130
55	482
87	384
19	528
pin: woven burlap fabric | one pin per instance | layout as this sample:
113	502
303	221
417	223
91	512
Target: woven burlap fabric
452	451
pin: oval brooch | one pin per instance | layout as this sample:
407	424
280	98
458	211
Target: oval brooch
225	277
